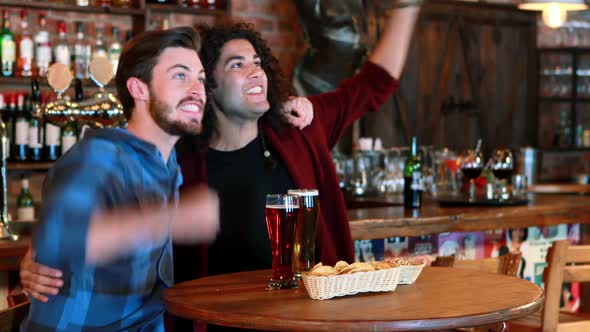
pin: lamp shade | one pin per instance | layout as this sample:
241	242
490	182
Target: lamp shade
554	11
544	4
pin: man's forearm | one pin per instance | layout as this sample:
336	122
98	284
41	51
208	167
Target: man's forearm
392	49
116	233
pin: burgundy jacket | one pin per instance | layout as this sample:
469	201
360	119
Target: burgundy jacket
306	155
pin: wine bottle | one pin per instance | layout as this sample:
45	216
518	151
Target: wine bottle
52	142
69	133
8	119
25	208
413	178
35	129
7	47
21	131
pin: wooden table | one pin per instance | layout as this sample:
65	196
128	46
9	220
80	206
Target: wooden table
441	298
542	210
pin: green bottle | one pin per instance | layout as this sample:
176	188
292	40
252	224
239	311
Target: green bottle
25	208
413	179
7	47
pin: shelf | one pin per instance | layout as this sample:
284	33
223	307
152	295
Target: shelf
565	99
26	81
30	165
556	99
70	8
557	149
185	10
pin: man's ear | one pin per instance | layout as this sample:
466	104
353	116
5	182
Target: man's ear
138	89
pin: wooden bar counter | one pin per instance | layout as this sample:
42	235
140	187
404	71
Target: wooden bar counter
542	210
11	252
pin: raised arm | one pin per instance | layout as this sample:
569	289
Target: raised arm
392	49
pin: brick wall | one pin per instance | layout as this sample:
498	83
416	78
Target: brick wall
277	22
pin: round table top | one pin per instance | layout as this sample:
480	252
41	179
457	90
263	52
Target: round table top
441	298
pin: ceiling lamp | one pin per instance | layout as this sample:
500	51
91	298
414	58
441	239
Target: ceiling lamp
554	11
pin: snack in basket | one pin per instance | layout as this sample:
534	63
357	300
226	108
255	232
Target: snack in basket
409	270
324	281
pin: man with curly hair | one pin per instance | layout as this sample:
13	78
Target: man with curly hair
250	153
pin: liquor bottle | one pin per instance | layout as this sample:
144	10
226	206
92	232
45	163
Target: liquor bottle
115	49
8	119
122	3
21	131
52	139
11	106
35	129
69	136
208	4
26	47
7	47
81	53
99	49
69	133
42	47
62	49
102	3
413	178
25	207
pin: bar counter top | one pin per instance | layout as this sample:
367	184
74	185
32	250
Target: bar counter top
11	252
431	218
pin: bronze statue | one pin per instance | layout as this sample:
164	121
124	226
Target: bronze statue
339	33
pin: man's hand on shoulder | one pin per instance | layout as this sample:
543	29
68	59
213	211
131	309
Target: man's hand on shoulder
299	111
38	280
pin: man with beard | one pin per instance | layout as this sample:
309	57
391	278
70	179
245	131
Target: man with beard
110	205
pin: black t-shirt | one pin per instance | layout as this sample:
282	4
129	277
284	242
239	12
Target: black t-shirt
242	179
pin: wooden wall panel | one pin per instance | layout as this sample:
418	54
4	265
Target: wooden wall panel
470	52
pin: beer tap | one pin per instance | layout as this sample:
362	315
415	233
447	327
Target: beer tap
5	231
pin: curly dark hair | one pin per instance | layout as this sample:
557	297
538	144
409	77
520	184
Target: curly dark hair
212	41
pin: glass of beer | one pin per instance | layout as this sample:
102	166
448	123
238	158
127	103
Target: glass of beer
305	234
282	214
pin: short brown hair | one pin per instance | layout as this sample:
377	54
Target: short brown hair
140	55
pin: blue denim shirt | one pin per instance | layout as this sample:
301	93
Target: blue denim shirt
109	168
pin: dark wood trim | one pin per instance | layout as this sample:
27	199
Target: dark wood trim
32	165
70	8
185	10
26	81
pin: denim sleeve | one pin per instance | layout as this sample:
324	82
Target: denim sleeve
76	187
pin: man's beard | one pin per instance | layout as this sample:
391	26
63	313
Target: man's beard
161	113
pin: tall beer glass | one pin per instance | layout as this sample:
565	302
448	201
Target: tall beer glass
282	214
305	234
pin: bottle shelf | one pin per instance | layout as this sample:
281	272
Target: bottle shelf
161	8
71	8
29	165
564	99
26	81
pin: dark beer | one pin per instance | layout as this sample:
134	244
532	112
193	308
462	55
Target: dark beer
305	234
282	213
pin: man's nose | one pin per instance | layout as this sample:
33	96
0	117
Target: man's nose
197	88
255	72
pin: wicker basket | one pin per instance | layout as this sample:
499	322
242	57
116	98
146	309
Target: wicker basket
409	273
323	288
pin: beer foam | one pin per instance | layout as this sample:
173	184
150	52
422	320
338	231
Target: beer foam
283	207
304	192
